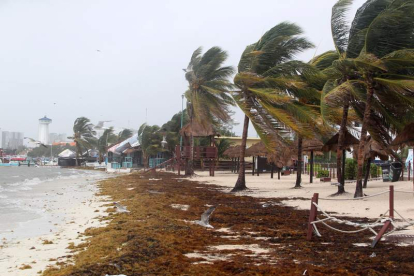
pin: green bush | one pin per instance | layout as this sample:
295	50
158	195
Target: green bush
351	166
375	171
322	173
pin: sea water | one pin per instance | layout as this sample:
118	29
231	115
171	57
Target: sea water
27	195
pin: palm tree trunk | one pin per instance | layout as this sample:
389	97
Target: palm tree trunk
189	169
241	180
367	172
339	152
362	141
78	152
299	164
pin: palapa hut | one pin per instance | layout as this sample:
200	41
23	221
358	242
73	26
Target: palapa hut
372	150
405	137
233	153
312	146
198	130
332	145
281	156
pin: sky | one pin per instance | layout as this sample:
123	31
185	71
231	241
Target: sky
122	60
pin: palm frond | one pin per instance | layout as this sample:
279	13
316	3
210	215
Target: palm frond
339	26
362	20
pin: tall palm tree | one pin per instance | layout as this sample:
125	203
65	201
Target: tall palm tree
83	136
207	96
377	61
268	77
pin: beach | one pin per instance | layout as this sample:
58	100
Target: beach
159	234
44	211
371	207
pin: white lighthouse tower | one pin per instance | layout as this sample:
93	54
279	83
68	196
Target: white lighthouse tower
44	130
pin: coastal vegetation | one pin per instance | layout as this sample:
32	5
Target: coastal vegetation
83	136
208	99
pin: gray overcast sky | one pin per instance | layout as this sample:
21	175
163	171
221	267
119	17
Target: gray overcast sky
48	54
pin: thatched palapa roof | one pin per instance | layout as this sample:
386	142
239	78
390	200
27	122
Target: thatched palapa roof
332	144
314	145
281	156
232	152
373	149
258	149
198	130
405	137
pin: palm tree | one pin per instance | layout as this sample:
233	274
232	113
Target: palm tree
108	137
83	136
376	60
150	139
207	96
278	45
124	134
271	84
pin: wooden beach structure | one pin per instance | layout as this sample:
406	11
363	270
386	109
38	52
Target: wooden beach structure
312	146
332	145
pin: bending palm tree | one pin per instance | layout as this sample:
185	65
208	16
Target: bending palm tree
83	136
207	95
108	136
377	69
279	45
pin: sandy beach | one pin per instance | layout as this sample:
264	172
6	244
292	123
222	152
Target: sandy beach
344	205
254	232
67	207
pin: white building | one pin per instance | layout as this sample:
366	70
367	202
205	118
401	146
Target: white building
11	140
44	130
57	138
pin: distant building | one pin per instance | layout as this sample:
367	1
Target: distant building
57	138
44	130
12	140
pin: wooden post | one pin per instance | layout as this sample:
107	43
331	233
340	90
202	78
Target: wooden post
278	173
311	167
409	170
312	215
257	171
178	156
271	170
387	224
342	181
253	166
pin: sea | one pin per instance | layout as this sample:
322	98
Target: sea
30	196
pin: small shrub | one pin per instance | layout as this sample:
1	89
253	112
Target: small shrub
322	173
351	166
375	171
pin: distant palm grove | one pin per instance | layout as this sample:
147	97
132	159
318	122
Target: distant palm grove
367	79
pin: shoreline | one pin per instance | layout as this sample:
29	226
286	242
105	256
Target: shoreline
70	206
